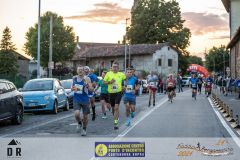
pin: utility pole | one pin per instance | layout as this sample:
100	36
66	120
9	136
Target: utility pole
129	52
125	39
38	48
50	65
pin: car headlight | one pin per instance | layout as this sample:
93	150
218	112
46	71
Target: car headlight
46	97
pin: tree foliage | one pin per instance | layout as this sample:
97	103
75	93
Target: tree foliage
8	56
63	40
216	58
158	21
195	60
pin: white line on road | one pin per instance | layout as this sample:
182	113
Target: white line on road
233	135
126	131
36	126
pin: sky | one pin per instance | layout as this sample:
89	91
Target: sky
104	20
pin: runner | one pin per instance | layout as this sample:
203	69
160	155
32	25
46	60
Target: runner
115	79
81	86
199	85
194	81
152	80
131	88
104	97
171	85
208	87
94	79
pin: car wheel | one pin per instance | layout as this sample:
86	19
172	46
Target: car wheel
18	118
66	108
55	107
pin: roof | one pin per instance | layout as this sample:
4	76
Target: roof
23	56
235	39
226	4
4	80
118	50
37	79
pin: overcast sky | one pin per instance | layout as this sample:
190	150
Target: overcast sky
104	20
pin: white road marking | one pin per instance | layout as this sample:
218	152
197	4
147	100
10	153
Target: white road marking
36	126
233	135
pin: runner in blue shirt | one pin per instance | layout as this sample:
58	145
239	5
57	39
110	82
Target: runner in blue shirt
94	80
194	81
81	86
131	86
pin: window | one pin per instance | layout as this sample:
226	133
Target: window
11	87
3	88
112	62
169	62
159	62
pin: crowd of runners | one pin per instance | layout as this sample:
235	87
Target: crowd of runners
115	86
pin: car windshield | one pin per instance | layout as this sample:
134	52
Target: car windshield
38	85
66	84
185	78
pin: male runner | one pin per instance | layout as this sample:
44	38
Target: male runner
115	79
81	86
94	79
131	88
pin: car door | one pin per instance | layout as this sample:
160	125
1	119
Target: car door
13	98
5	101
59	92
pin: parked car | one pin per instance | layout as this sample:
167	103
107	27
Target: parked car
67	86
46	94
185	81
11	103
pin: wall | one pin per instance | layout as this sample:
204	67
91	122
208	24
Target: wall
234	16
23	66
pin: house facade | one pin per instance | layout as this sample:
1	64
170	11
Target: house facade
161	58
233	8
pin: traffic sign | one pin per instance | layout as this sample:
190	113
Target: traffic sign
51	65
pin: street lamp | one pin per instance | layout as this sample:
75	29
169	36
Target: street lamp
125	40
38	48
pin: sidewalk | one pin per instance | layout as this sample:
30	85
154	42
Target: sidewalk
231	100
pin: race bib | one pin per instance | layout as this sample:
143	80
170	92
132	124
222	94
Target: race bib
193	85
79	89
129	89
208	83
152	84
115	87
170	84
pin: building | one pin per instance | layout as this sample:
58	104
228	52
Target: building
233	8
23	64
162	58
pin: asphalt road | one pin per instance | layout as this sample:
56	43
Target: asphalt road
162	128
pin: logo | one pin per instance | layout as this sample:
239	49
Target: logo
14	150
187	150
119	149
101	150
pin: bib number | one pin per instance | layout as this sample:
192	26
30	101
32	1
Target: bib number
152	84
114	87
170	84
129	89
79	89
193	85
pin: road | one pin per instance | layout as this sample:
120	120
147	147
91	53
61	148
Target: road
163	128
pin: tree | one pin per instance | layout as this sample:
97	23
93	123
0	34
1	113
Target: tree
217	58
158	21
63	40
8	56
195	60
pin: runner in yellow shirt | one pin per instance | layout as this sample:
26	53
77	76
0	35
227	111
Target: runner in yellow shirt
115	79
